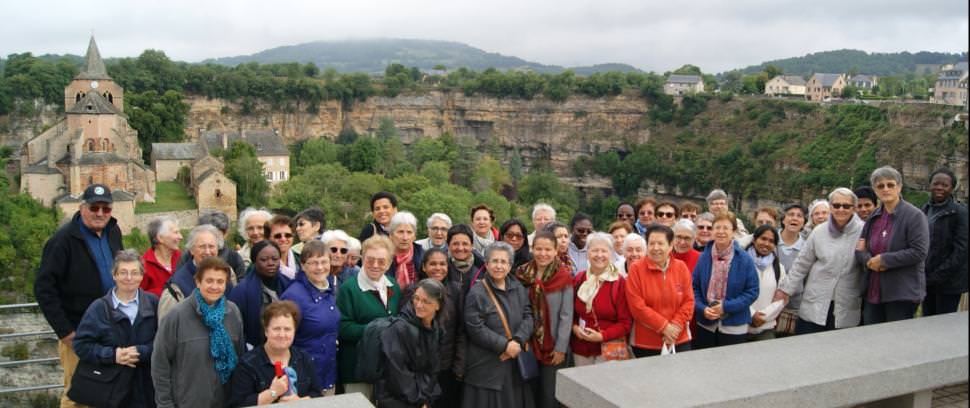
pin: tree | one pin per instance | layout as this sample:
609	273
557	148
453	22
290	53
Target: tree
243	168
25	221
490	175
688	70
317	151
437	172
156	118
365	155
545	186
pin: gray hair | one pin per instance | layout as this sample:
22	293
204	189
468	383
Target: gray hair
634	239
335	235
685	224
842	191
216	219
716	194
600	237
500	246
885	173
403	218
127	255
818	202
439	216
353	244
198	229
160	225
435	290
249	212
543	207
705	216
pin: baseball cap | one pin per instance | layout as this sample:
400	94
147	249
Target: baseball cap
97	193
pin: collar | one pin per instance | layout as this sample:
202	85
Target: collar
365	284
116	302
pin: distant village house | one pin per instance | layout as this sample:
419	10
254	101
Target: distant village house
677	85
822	87
785	85
951	85
864	82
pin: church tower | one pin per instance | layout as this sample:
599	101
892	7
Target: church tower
93	78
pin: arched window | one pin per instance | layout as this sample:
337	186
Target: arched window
90	180
117	180
77	98
109	97
90	145
218	193
104	145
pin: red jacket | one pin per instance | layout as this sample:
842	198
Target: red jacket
657	298
690	258
611	310
155	274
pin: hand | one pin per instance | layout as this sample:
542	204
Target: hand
280	384
592	336
860	245
68	340
875	264
513	349
670	333
780	295
758	319
504	356
293	397
719	309
579	331
709	314
127	356
558	358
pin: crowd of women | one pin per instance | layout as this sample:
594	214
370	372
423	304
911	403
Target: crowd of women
479	315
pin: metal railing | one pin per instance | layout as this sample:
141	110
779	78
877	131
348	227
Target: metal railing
18	363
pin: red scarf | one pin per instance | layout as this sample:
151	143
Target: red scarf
556	276
405	268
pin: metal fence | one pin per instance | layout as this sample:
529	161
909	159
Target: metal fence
36	361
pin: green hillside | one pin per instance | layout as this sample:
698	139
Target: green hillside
838	61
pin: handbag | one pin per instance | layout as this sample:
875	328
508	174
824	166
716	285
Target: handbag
527	362
668	349
785	324
616	349
100	385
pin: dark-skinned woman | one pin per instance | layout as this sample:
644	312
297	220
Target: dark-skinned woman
261	287
946	265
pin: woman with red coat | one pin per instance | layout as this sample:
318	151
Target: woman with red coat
161	259
600	312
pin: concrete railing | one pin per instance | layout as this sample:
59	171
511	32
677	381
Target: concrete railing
893	364
355	400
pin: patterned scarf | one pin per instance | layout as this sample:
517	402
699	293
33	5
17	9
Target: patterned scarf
720	265
556	276
405	273
220	345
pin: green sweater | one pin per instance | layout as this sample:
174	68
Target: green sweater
358	308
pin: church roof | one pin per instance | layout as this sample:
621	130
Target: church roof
93	67
41	167
176	151
266	142
101	158
94	103
116	196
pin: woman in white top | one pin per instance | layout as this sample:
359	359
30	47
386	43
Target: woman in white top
764	240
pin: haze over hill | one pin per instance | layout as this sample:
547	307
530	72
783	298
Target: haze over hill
876	63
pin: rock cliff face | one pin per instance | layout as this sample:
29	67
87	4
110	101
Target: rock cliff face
538	128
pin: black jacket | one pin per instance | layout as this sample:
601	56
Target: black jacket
946	264
99	335
410	362
486	335
464	280
452	327
68	279
255	373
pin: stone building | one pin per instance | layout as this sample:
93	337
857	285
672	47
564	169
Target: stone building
951	85
271	150
683	84
785	85
92	144
168	158
825	86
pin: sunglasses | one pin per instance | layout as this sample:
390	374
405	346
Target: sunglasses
839	206
514	235
665	214
341	250
705	227
280	235
104	209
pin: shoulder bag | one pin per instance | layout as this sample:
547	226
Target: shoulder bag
100	385
528	365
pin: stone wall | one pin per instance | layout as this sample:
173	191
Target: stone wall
186	219
168	170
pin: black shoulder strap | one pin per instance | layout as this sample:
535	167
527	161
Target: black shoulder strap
171	291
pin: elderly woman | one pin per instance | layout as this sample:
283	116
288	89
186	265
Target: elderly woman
407	254
370	296
660	303
438	224
826	271
766	216
685	233
116	335
689	210
160	260
725	283
309	225
818	212
667	213
337	243
790	244
482	217
764	240
204	242
705	226
550	285
514	233
498	322
600	312
619	230
315	293
255	381
645	213
717	203
463	263
946	265
353	252
893	248
199	343
383	206
411	350
625	213
264	285
281	234
220	220
542	214
252	224
634	249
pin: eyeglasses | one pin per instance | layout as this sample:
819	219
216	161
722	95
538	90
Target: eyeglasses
665	214
438	229
341	250
280	235
840	206
683	238
104	209
883	186
128	274
624	215
705	227
375	261
514	235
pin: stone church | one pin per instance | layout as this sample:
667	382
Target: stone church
92	144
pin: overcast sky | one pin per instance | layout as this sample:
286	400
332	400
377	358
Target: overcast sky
716	35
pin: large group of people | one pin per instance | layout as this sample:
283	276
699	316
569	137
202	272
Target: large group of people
474	314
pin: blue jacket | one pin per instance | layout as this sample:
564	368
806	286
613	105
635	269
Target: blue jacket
317	334
248	296
742	287
98	335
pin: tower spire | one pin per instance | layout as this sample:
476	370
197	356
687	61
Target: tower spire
93	67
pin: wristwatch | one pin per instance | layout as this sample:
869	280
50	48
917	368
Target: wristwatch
272	394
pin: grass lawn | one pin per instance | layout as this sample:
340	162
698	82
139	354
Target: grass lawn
169	196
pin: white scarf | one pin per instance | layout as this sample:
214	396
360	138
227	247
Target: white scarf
587	291
381	285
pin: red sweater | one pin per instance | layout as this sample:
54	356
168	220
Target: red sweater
657	298
690	258
155	273
611	310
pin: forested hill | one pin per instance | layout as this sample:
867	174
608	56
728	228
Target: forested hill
838	61
372	56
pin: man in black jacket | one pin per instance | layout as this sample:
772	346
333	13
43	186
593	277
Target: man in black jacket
75	269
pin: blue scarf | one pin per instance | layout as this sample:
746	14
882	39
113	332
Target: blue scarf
220	345
761	262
